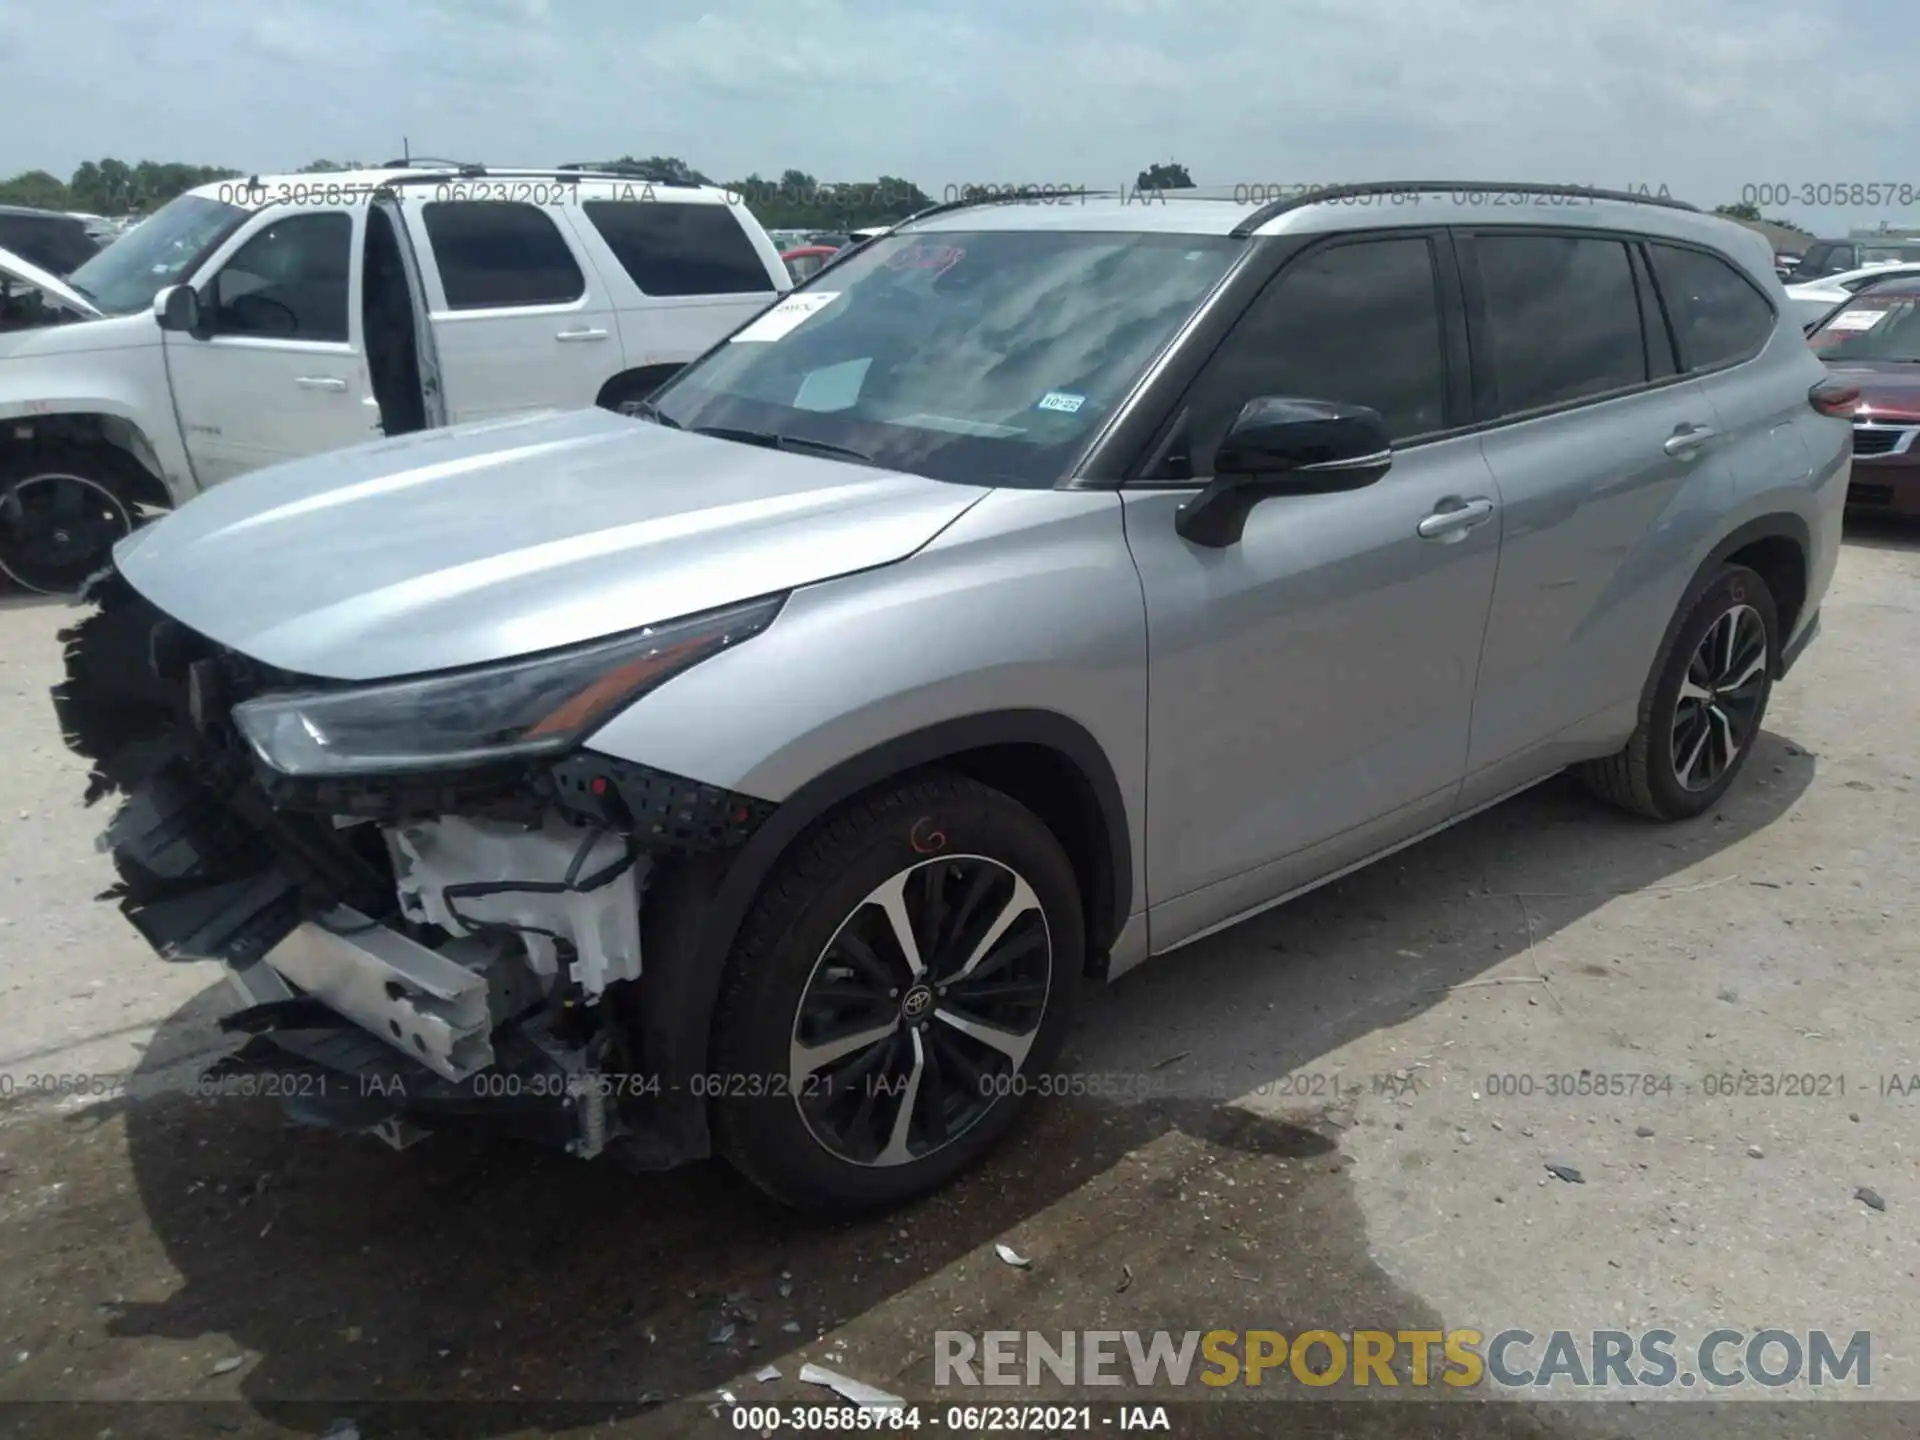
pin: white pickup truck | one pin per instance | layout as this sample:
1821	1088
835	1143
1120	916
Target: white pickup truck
252	321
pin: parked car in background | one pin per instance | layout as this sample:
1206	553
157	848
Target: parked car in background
805	261
1784	262
774	794
253	321
48	239
102	229
1814	298
1834	257
1872	345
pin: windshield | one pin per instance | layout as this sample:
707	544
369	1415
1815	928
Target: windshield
1888	254
161	250
1875	326
986	357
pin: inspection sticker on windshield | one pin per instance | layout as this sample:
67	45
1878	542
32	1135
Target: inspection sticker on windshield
1064	401
787	316
1857	319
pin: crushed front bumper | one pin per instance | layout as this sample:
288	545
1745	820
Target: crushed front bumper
407	953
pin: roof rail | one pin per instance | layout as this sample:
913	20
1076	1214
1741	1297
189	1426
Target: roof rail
535	172
1444	187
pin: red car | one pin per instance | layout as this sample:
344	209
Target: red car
1872	343
805	262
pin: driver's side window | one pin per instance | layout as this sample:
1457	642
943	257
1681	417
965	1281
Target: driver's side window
1356	321
289	282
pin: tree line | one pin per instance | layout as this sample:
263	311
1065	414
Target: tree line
793	200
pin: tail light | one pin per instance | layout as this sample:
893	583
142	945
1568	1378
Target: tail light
1834	397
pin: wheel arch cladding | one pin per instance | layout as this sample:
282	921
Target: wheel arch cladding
693	910
1777	548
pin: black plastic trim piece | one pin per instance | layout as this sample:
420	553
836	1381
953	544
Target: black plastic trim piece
663	813
1778	526
1808	633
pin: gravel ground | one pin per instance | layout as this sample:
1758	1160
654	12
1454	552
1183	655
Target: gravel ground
1340	1115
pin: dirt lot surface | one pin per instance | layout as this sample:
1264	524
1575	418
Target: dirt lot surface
1339	1115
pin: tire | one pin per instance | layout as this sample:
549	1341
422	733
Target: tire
1697	729
62	510
815	961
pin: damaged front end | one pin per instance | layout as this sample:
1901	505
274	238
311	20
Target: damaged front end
445	929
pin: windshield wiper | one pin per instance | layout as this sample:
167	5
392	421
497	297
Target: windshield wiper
773	440
647	410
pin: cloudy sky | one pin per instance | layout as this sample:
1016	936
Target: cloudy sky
1704	96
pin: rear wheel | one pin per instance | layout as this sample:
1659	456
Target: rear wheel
1703	705
62	510
905	973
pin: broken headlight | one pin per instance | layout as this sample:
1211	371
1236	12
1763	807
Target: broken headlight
535	706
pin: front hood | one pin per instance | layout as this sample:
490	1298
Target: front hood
488	541
1889	389
25	270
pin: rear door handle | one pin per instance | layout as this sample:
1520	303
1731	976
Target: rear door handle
1456	520
581	335
320	382
1685	441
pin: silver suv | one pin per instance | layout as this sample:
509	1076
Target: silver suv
1039	589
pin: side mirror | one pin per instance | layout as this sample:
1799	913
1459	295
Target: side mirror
177	308
1283	446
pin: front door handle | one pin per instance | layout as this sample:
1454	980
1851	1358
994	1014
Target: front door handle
1687	439
1453	522
320	382
581	335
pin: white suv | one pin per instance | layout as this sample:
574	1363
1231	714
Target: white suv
253	321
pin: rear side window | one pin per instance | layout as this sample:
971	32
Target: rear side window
1562	319
496	253
673	249
1719	317
52	242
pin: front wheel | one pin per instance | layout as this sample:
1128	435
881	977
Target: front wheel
62	510
900	984
1701	711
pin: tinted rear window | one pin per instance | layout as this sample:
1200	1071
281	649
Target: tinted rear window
672	249
52	242
1719	317
494	253
1562	318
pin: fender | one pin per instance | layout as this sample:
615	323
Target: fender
109	375
693	909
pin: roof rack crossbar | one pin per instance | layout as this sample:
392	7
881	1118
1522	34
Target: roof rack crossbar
556	172
627	169
1276	208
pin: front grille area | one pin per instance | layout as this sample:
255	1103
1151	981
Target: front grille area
208	868
1858	494
1878	439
